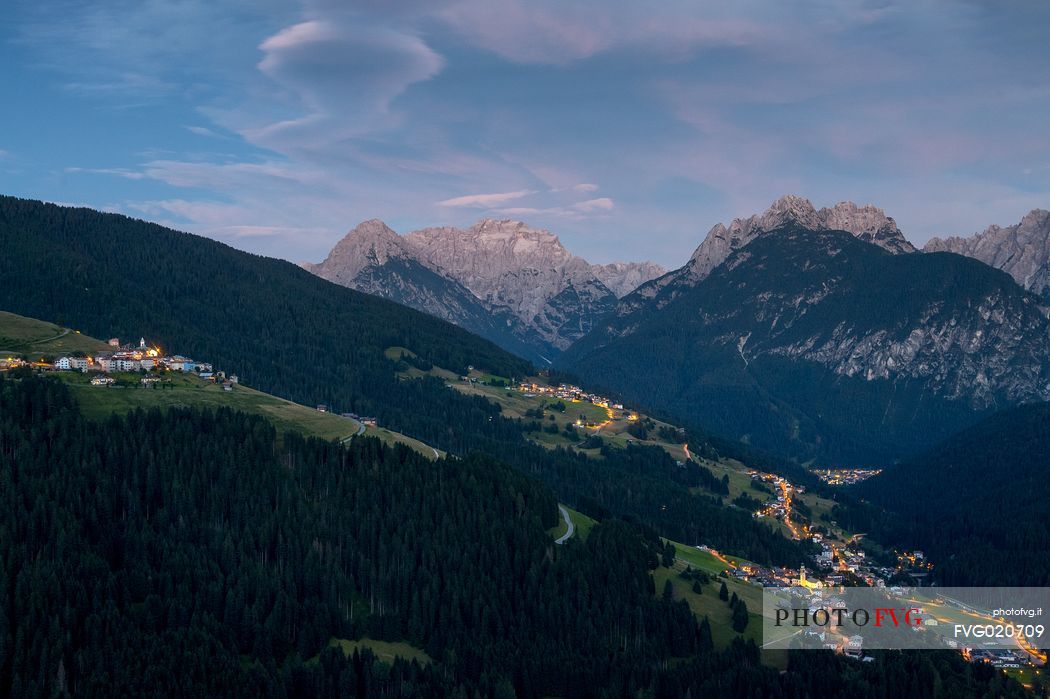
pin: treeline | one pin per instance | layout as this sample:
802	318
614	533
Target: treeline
185	553
292	334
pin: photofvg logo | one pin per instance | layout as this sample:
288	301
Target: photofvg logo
1010	621
836	617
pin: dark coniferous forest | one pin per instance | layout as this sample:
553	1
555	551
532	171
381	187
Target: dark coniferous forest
185	553
977	503
289	333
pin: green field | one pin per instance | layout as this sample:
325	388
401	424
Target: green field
708	604
391	438
696	558
608	424
582	522
1026	675
187	390
396	353
386	651
739	481
36	338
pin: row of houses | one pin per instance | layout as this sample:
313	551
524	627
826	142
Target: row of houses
130	358
122	359
565	392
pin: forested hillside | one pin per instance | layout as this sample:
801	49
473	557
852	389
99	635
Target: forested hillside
292	334
977	503
182	553
277	326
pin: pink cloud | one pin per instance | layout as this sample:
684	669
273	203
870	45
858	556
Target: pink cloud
484	201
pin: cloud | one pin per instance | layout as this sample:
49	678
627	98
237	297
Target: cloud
578	210
550	32
570	209
340	78
316	113
204	131
591	205
228	176
484	201
115	172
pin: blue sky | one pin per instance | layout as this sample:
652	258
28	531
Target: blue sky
626	128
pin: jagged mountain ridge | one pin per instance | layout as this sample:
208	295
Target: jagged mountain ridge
825	344
513	284
376	260
867	223
1021	250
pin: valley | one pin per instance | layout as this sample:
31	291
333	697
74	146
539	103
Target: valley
525	350
662	508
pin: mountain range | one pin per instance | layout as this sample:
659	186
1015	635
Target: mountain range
283	551
821	333
512	284
1021	250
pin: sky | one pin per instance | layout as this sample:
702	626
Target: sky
626	128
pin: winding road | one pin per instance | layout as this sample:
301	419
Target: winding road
360	431
568	521
49	339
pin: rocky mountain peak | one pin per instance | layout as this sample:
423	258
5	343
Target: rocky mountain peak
1021	250
1036	219
488	247
624	277
503	278
506	263
371	242
789	208
867	223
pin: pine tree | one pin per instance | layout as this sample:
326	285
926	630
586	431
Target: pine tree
704	640
740	616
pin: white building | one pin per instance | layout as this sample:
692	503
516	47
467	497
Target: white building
62	364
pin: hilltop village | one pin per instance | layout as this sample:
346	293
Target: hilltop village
143	358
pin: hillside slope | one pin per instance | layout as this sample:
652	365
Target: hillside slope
976	503
285	331
20	335
299	337
47	340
